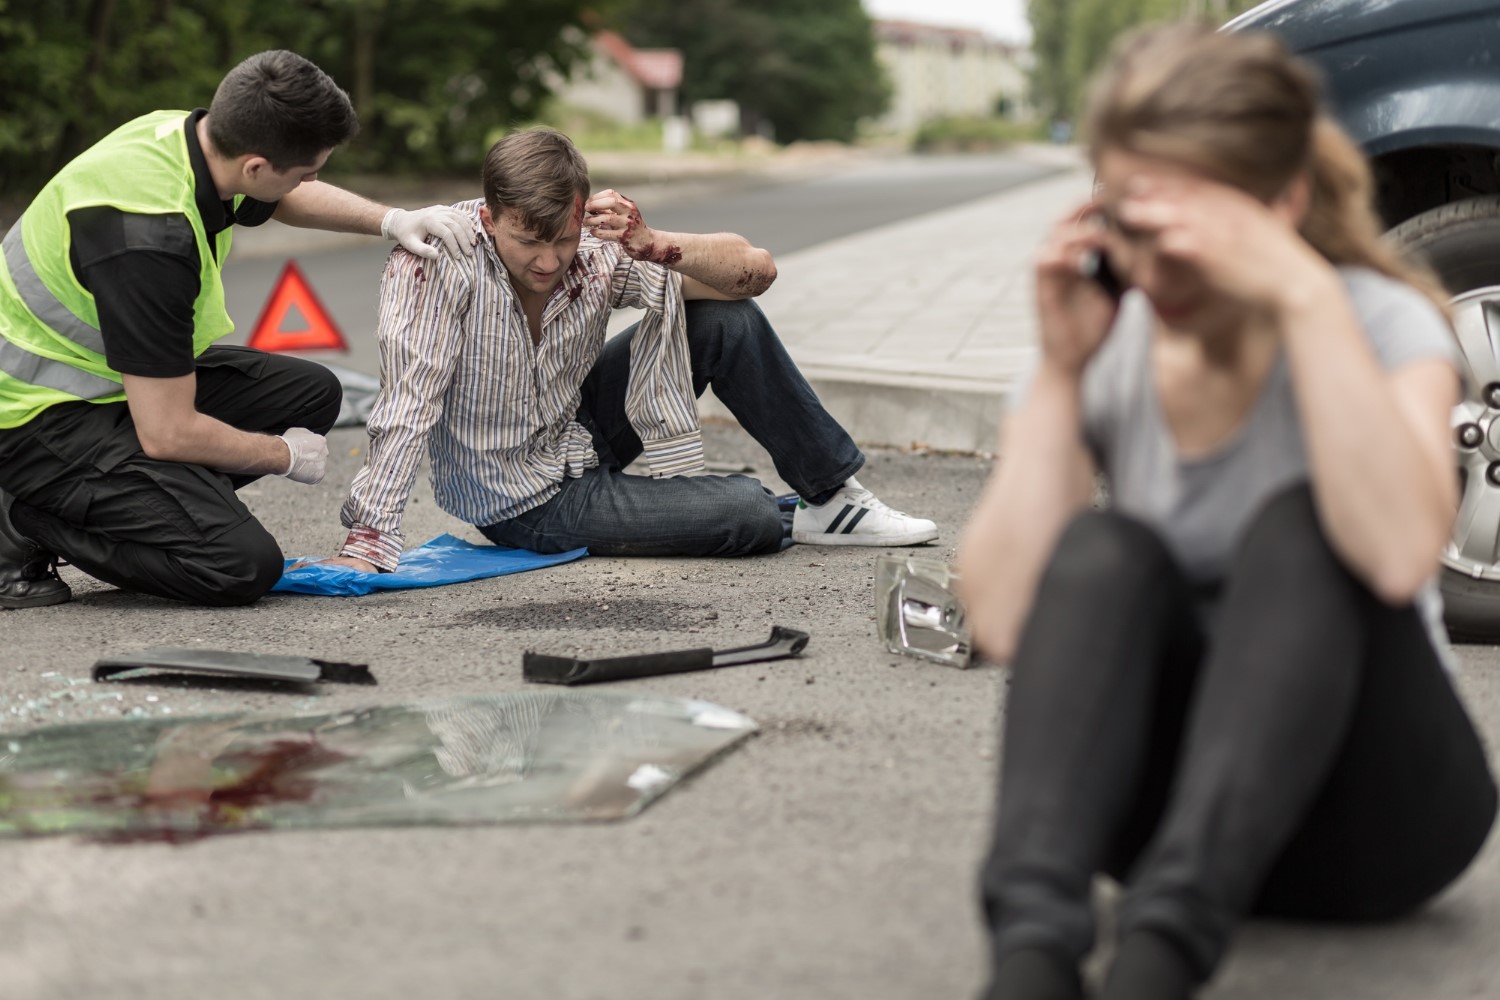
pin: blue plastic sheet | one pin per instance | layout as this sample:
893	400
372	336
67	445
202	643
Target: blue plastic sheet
445	559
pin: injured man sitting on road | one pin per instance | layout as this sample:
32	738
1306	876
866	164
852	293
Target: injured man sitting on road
498	363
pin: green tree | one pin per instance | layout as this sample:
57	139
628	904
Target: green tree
433	81
805	67
70	71
1052	86
1071	38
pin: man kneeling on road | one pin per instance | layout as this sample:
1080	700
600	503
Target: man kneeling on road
123	433
498	363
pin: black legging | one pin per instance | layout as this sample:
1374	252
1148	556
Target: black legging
1306	758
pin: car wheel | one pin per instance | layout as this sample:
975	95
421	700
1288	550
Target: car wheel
1461	242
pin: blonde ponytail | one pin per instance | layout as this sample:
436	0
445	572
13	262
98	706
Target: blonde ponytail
1341	222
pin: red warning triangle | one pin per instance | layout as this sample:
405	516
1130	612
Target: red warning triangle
293	304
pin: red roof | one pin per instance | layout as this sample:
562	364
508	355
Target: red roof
913	32
657	69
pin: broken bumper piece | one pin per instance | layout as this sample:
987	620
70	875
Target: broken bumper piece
223	663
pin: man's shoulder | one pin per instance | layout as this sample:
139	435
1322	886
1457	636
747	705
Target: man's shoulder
470	206
404	266
463	272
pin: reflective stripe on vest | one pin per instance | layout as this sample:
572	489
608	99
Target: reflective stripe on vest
20	363
40	300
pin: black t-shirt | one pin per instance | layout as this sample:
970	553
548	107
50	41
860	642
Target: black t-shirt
143	271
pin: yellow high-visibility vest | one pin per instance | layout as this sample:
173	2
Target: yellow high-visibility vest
51	350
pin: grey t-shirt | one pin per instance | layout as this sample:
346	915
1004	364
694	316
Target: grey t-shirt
1202	505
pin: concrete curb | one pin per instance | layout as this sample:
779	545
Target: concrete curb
906	417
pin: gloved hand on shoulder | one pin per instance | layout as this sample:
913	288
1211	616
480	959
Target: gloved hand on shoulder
411	228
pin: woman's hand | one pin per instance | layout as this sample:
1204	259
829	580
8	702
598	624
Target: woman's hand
1073	311
1243	248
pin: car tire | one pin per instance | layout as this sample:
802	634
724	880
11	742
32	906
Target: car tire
1469	608
1461	242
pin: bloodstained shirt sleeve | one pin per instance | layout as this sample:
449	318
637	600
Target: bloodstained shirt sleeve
423	310
659	400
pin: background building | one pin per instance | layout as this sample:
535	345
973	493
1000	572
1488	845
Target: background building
937	72
627	84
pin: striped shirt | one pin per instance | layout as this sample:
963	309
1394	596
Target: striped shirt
459	374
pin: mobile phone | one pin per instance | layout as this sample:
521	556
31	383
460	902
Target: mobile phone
1096	267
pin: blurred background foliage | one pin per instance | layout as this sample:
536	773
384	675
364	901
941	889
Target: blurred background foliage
435	81
431	81
1070	38
972	134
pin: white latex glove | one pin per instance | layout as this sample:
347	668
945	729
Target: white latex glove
411	229
309	455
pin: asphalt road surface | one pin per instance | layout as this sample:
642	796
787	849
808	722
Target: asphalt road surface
831	856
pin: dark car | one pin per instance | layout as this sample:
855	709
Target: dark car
1417	84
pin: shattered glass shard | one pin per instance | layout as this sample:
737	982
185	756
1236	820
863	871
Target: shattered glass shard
528	756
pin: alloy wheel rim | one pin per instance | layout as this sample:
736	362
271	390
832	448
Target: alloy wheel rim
1474	546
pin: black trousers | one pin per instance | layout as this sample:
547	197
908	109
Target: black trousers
1305	756
86	491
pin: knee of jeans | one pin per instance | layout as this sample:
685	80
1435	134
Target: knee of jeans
758	526
1108	551
734	320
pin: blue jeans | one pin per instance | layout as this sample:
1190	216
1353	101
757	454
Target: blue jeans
734	349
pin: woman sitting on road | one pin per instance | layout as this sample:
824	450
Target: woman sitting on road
1229	690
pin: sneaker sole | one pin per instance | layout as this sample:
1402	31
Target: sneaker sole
869	541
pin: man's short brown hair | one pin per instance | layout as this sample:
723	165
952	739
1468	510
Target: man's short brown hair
279	105
540	174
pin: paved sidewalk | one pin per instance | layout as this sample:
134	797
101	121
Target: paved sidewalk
913	333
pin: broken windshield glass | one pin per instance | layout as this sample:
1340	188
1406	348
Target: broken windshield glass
527	756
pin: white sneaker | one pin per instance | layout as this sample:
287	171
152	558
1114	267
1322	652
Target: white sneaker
855	516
